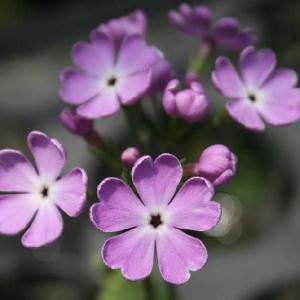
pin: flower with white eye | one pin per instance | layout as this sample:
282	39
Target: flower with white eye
30	195
156	220
261	93
109	75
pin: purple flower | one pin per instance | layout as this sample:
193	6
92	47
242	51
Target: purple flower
75	123
108	77
30	195
129	156
189	104
118	29
162	73
217	164
137	23
156	221
198	23
261	93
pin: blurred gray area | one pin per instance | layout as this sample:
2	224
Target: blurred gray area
35	46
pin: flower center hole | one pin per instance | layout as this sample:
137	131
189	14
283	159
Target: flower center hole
155	220
45	192
252	97
112	81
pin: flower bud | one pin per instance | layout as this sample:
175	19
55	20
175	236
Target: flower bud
189	104
218	164
75	123
129	156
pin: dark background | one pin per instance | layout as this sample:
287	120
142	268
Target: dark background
36	37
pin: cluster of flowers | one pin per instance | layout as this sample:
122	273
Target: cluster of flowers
117	67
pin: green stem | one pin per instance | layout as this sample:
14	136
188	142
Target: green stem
198	64
148	289
171	292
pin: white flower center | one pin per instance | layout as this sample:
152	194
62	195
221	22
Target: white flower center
112	81
156	221
254	97
45	191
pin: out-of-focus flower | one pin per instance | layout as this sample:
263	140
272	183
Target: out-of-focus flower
75	123
197	22
129	156
156	220
217	164
108	77
162	73
118	29
261	93
29	193
189	104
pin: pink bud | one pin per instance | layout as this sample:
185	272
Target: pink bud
189	104
218	164
129	156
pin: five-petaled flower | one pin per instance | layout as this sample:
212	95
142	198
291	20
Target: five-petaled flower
155	220
262	93
36	194
109	76
197	22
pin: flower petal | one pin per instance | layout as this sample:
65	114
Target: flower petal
282	108
192	207
245	114
132	252
69	192
16	211
135	55
78	87
45	228
281	80
97	57
178	254
133	86
118	208
226	79
156	181
49	155
118	29
103	105
162	73
16	172
256	66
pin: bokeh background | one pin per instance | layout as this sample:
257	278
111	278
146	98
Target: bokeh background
254	255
